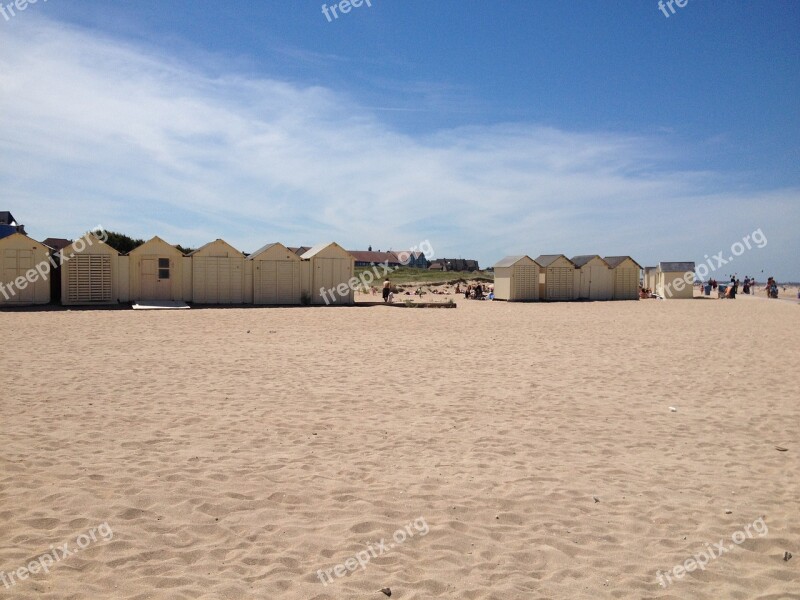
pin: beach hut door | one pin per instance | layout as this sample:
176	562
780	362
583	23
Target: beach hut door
16	263
156	279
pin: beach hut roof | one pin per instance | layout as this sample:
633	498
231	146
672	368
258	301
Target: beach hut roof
152	241
581	260
193	252
615	261
27	237
280	247
319	248
510	261
263	249
545	260
676	267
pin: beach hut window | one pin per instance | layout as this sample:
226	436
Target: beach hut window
163	268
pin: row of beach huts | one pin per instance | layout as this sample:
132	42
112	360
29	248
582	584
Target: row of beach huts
90	272
554	277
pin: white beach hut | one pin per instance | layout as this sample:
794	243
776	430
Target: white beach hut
516	278
594	279
277	275
218	274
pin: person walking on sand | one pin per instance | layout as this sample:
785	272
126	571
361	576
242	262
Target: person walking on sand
387	289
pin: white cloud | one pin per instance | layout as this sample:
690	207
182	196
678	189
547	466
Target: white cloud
94	130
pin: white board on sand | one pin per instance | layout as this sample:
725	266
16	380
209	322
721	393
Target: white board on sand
159	305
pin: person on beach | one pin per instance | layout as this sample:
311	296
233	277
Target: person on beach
387	289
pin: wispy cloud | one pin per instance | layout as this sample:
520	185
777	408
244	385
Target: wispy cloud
94	130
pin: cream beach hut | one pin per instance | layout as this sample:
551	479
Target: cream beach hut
25	274
675	280
159	271
594	279
330	270
626	277
277	275
92	273
649	278
516	278
556	277
218	274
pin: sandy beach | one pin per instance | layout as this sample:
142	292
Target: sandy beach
523	450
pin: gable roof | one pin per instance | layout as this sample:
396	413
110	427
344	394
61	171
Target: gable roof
204	246
319	248
300	250
545	260
583	259
6	218
153	240
615	261
675	267
26	236
268	247
510	261
375	257
57	243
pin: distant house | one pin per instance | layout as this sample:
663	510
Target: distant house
395	258
57	244
412	260
300	250
459	264
367	258
9	225
436	266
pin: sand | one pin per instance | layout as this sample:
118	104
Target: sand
236	452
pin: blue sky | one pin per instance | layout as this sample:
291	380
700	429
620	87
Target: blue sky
488	129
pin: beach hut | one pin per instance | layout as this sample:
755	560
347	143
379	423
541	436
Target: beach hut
159	271
277	275
649	278
91	273
556	277
218	274
675	280
516	278
594	279
25	271
626	277
330	270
